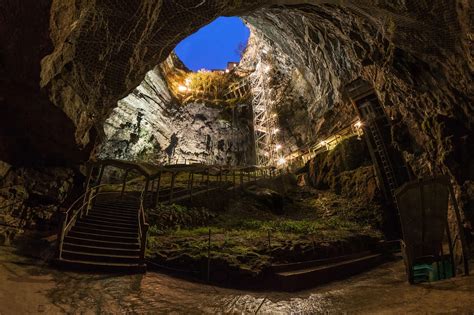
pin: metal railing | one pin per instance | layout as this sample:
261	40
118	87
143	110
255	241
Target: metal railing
142	226
77	210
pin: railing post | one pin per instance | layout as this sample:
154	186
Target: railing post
173	179
61	232
191	186
157	196
89	176
143	241
124	183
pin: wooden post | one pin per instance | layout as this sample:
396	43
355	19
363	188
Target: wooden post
451	249
158	184
124	182
462	237
209	257
61	233
88	193
173	178
147	186
101	174
191	186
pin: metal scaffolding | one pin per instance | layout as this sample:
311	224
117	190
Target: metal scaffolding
264	119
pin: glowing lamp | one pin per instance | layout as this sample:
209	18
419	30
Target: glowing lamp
187	82
358	124
278	147
281	161
276	130
182	88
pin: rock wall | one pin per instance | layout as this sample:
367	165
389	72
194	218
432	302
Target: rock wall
347	170
150	125
418	55
30	198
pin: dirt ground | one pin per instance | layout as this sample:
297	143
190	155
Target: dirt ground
29	288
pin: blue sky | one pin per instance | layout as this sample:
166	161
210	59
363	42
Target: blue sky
214	45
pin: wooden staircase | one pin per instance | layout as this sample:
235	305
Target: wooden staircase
109	236
299	276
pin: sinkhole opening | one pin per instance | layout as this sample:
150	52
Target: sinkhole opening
216	46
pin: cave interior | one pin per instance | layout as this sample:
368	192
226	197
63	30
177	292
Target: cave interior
340	142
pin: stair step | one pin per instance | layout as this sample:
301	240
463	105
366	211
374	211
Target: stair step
80	228
100	237
88	219
102	266
100	249
112	219
114	215
100	243
116	208
108	227
308	277
115	211
86	256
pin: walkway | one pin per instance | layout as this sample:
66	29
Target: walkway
26	288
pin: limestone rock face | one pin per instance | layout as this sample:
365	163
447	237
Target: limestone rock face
333	169
150	125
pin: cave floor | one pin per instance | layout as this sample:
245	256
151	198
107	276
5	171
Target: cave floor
29	288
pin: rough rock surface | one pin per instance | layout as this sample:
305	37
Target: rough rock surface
29	198
151	125
418	55
325	168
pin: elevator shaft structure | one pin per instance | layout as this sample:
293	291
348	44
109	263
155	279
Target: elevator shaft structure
389	164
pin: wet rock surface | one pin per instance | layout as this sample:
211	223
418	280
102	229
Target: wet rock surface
26	287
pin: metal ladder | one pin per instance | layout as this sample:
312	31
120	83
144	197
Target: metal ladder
386	165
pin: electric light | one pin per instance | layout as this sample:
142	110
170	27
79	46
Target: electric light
276	130
187	82
278	147
358	124
182	88
281	161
